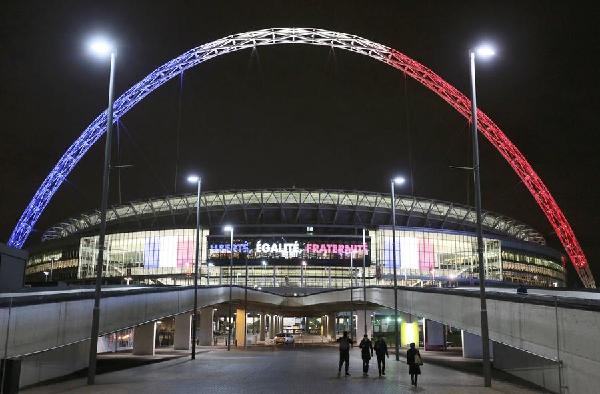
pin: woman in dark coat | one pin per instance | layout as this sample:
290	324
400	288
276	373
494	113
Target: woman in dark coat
413	359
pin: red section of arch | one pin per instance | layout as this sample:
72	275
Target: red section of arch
508	150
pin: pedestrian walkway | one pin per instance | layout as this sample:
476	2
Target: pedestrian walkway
276	370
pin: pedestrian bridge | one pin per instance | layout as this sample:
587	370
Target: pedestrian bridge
560	327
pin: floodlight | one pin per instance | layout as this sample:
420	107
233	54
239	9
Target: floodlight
399	180
485	51
100	46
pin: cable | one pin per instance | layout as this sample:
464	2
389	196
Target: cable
178	132
144	157
410	157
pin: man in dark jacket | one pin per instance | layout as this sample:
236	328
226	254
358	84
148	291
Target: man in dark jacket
366	351
381	352
345	344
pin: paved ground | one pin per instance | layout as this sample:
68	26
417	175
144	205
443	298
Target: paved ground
284	370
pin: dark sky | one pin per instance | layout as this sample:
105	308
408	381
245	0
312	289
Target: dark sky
304	116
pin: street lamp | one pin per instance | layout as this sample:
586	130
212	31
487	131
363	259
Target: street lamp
52	261
102	47
302	269
246	305
264	270
364	276
352	296
230	230
194	179
483	51
396	181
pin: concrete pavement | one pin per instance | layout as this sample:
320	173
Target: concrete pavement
311	369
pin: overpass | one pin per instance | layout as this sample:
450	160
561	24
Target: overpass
545	337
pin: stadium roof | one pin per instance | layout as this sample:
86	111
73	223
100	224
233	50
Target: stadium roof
295	207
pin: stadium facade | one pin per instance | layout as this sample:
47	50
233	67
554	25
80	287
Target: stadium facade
295	238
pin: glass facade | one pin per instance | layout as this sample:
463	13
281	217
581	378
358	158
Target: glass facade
424	257
53	265
433	256
162	253
535	270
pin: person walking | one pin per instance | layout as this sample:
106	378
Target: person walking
366	350
414	361
345	344
381	352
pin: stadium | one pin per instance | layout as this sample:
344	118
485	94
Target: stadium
295	240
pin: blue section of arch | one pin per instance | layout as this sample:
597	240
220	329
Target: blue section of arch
89	137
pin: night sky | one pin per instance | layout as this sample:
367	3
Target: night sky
304	116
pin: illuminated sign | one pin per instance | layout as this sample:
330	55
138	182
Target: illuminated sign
336	248
237	247
288	250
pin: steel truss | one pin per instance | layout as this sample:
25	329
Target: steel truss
299	199
344	41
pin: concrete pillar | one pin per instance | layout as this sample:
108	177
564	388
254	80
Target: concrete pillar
268	326
143	339
434	335
331	326
240	326
263	318
205	334
323	328
271	326
183	331
360	324
472	345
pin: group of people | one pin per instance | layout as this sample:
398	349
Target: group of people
379	347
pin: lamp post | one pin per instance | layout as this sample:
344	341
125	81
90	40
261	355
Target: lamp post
264	269
351	295
246	304
483	51
230	230
302	269
102	48
197	180
396	181
364	276
52	261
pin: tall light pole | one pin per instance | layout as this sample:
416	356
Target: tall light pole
483	51
102	47
302	273
364	276
352	296
197	180
52	261
396	181
230	230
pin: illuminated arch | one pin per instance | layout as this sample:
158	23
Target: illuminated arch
309	36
